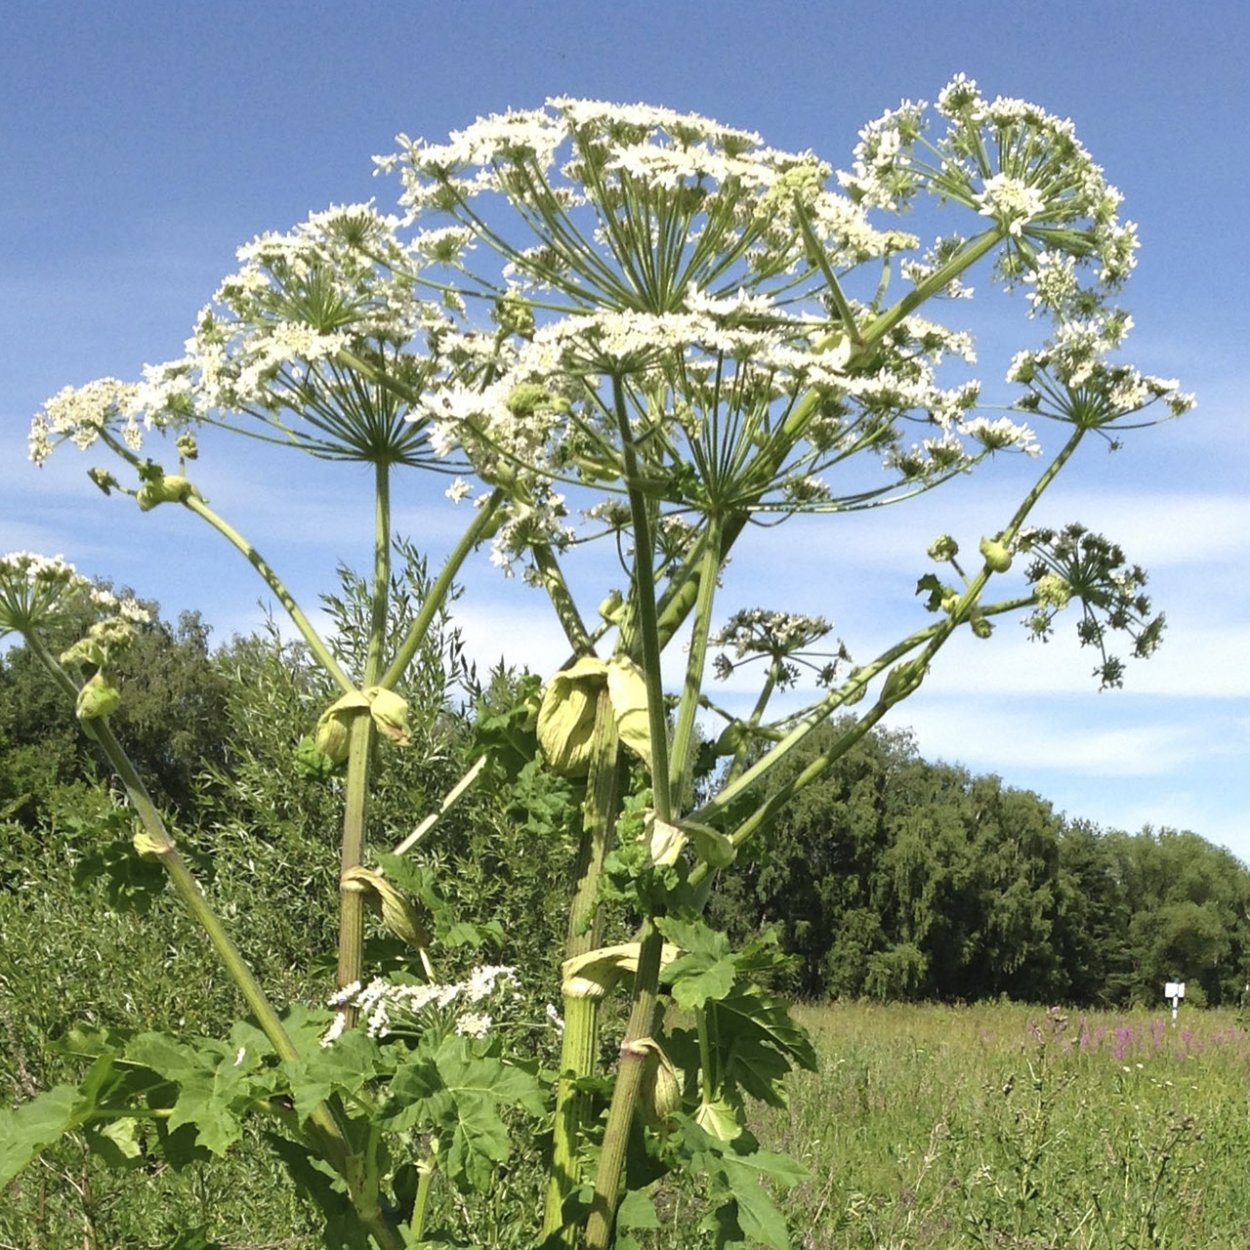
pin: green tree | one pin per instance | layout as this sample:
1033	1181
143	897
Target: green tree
172	720
1188	903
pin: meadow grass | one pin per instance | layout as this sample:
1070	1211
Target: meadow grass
995	1126
1004	1126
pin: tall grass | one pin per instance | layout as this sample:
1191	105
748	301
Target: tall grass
997	1127
1003	1126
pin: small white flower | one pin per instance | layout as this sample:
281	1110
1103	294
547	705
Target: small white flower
474	1024
335	1031
345	995
1010	201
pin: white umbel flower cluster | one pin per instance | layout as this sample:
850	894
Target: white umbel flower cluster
388	1008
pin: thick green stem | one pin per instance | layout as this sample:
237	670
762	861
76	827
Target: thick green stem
552	577
380	601
625	1090
580	1042
425	1179
848	693
683	735
645	606
355	823
275	583
775	802
360	750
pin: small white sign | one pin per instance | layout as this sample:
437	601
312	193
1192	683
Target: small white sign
1174	989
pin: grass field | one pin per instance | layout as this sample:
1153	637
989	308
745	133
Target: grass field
925	1128
1003	1126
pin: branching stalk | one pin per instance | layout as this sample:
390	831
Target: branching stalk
439	591
271	579
683	736
188	890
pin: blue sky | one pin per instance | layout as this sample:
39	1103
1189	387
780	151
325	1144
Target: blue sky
142	143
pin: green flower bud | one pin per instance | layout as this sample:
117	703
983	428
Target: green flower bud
99	697
711	846
903	680
390	714
399	914
943	548
332	738
997	555
659	1090
566	716
313	763
610	608
168	488
732	738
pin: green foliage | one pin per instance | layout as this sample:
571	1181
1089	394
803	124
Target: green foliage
895	878
171	717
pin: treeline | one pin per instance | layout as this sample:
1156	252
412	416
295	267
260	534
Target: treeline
896	878
893	878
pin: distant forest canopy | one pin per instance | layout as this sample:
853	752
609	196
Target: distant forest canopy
893	878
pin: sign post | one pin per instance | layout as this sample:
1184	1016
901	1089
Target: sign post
1175	990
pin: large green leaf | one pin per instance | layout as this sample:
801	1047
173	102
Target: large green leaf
743	1211
214	1083
28	1129
708	968
759	1043
457	1093
345	1067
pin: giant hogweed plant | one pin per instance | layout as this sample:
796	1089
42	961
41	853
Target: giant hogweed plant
632	327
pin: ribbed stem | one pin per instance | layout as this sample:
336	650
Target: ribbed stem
352	854
360	751
645	605
683	735
625	1091
580	1042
